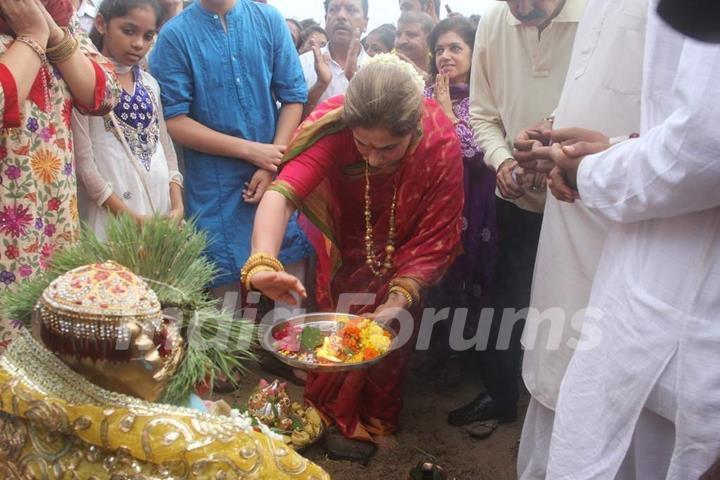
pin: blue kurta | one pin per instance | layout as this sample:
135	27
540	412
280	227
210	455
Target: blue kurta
229	81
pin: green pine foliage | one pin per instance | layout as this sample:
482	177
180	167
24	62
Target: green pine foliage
169	258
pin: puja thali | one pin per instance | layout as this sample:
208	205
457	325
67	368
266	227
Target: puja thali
328	342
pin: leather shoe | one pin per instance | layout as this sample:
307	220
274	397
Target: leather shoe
481	409
340	448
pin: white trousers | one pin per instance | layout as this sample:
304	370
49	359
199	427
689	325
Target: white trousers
648	457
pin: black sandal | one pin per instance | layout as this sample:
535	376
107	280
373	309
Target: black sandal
340	448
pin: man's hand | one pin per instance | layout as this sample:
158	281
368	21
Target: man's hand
262	155
533	145
713	473
279	286
529	148
257	186
322	66
351	64
559	187
507	182
569	156
573	136
536	182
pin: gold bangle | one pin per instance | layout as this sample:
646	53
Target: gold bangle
263	259
408	286
401	291
63	50
64	55
275	265
248	278
41	52
257	261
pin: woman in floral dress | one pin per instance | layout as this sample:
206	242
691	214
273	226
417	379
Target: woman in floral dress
45	71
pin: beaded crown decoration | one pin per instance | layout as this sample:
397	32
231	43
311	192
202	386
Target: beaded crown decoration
88	312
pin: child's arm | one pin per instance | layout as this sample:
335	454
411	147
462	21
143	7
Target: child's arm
177	208
98	188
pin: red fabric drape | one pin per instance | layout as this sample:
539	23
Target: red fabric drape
11	114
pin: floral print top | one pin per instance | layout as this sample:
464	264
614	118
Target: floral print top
38	189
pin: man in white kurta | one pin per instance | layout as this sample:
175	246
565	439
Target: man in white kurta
602	93
658	281
520	60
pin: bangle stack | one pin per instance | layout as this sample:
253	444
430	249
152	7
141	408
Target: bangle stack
405	288
401	291
63	50
259	262
35	47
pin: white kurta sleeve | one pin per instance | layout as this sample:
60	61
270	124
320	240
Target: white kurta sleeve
97	187
674	168
170	154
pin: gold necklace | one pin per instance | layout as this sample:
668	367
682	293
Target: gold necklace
377	267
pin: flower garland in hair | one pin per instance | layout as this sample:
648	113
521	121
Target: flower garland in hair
392	59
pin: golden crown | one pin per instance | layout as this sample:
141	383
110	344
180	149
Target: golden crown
87	311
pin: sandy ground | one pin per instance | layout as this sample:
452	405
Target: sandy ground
424	434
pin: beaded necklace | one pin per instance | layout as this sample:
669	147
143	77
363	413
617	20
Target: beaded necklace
377	267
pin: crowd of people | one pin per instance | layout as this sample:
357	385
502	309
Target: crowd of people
548	168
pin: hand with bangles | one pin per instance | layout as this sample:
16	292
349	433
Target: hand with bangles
279	286
266	274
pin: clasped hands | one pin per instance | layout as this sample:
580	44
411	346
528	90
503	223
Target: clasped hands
323	60
557	154
30	18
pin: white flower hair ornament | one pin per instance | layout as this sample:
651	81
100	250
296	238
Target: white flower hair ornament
392	59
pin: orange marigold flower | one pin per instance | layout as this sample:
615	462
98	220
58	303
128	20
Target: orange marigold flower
74	214
351	339
45	165
351	330
369	353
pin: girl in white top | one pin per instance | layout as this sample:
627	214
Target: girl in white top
125	161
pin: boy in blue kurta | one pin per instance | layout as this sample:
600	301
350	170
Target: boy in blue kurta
223	67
